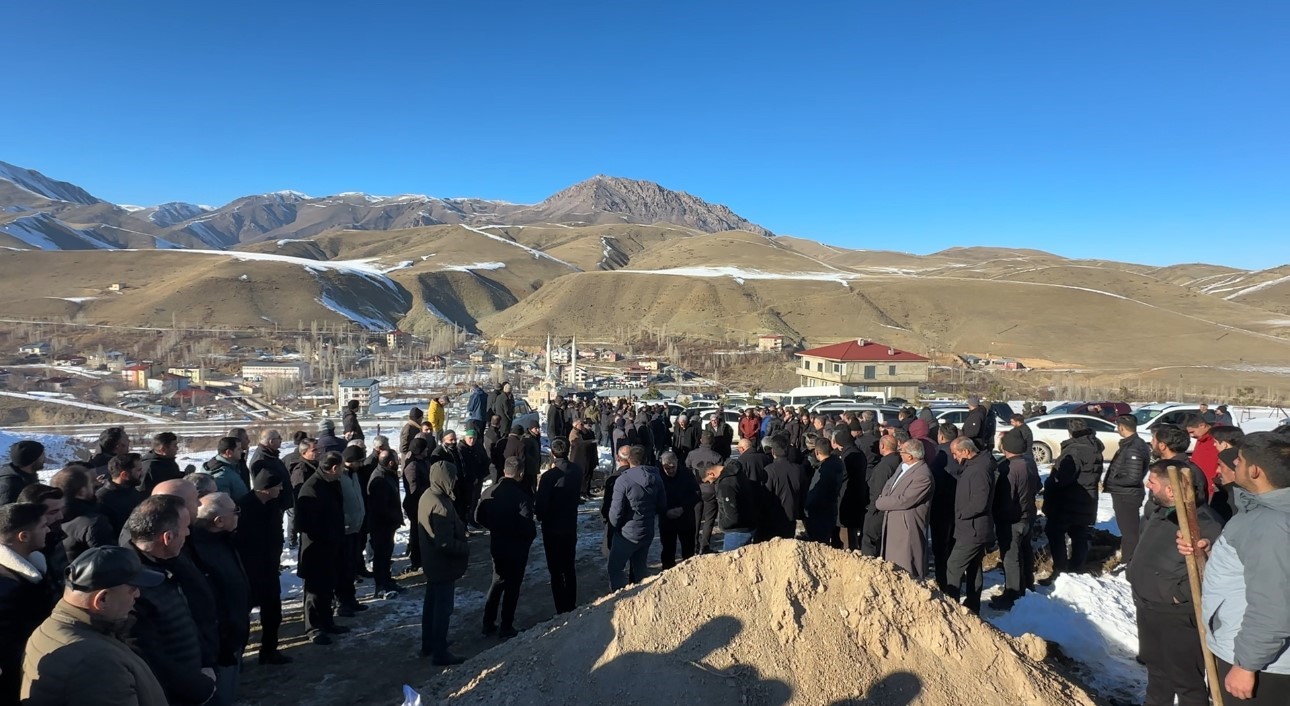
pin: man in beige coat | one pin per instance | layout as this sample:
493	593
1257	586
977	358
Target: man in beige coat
906	502
77	656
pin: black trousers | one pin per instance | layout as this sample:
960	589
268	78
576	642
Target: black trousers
561	556
1168	645
1058	530
414	543
942	526
508	574
1269	689
1018	556
346	572
270	617
382	555
1128	515
319	595
871	539
706	518
681	530
964	569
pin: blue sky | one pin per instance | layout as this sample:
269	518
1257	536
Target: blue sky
1148	131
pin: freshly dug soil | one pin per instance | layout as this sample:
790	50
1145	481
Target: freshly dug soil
782	622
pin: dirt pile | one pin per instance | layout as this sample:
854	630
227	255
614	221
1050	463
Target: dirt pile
775	623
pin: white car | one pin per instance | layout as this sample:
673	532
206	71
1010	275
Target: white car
1153	415
953	415
1052	429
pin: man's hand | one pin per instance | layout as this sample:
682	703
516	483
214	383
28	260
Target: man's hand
1240	682
674	513
209	672
1185	549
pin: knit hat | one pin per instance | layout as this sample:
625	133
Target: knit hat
352	454
327	425
1228	457
470	431
1014	442
854	425
25	452
973	400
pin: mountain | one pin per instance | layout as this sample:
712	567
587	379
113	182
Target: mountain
42	187
609	259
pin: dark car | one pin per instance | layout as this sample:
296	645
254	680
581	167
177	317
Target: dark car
1105	410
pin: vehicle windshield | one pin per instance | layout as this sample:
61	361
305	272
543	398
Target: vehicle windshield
1146	415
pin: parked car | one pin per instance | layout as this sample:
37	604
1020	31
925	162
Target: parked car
524	414
1106	410
1151	416
882	412
953	415
1051	430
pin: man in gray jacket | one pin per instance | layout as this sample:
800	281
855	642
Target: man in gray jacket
1243	601
351	488
906	501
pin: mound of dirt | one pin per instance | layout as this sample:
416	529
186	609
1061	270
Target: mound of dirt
775	623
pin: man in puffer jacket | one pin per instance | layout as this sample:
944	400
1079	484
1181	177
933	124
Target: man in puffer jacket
1243	601
1124	483
638	500
1070	498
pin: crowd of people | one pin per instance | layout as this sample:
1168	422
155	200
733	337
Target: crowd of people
151	572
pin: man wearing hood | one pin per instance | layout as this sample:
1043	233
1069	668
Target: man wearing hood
1070	498
445	554
26	459
1243	599
638	500
416	478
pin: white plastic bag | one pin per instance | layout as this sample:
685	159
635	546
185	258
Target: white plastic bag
410	696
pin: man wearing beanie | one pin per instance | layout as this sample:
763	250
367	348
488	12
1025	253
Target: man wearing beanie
26	458
327	440
259	545
1014	518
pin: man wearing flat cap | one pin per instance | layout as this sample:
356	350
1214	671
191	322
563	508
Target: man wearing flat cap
86	628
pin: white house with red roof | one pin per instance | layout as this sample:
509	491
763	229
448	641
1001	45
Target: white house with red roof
865	365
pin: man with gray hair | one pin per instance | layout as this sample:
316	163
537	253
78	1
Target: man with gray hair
677	523
973	521
217	557
203	482
906	503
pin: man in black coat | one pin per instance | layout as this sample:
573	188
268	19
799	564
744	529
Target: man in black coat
259	546
876	479
583	453
83	526
556	507
1070	499
977	425
327	441
165	632
216	555
945	473
416	478
159	463
685	438
698	461
853	506
1014	518
26	595
824	494
678	522
384	518
120	496
660	431
621	464
506	509
26	459
555	422
532	457
503	405
471	473
513	446
320	517
1123	481
349	422
1162	595
723	437
738	511
973	521
113	441
785	482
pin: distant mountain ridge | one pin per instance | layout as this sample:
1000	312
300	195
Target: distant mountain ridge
601	200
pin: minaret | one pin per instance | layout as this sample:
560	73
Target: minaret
548	356
573	362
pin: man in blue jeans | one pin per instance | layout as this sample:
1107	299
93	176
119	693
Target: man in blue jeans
638	500
737	509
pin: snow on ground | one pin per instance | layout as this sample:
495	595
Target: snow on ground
739	274
371	323
533	251
84	405
1094	621
475	266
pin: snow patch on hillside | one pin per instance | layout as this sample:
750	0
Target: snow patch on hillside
533	251
739	274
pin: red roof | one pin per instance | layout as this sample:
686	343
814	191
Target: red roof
869	352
